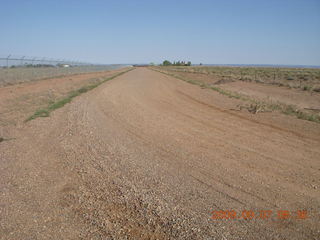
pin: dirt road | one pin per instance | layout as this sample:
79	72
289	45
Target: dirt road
148	156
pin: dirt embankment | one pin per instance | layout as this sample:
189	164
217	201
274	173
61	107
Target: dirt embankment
147	156
259	91
19	101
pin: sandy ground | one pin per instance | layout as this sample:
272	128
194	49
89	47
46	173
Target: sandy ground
148	156
302	99
265	92
19	101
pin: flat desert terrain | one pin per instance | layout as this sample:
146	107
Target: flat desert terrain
149	156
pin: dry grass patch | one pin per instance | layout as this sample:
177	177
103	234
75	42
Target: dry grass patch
45	112
254	105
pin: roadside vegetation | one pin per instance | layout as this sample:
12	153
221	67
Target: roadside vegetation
45	112
306	79
253	105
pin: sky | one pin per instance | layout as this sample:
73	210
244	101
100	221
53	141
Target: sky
144	31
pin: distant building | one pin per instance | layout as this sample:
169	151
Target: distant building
63	65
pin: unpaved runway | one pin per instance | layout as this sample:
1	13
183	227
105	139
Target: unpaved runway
147	156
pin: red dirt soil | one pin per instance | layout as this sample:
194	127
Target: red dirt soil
148	156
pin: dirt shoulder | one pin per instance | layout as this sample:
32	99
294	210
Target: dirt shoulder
277	97
148	156
19	101
301	99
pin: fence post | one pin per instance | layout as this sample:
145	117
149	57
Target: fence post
22	60
8	60
32	61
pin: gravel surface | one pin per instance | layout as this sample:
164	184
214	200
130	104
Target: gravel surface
148	156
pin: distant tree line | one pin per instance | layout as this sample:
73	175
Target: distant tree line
178	63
